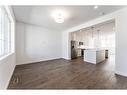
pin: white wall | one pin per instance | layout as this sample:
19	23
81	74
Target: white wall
121	42
120	17
34	43
7	64
65	45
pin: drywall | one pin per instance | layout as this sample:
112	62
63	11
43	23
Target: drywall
120	17
121	42
7	66
34	43
66	45
7	63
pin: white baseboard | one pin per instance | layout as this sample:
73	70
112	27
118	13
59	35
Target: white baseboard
121	73
34	61
66	58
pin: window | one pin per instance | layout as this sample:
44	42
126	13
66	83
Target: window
5	33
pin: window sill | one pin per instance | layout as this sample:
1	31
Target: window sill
5	56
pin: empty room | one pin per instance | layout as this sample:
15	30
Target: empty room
63	47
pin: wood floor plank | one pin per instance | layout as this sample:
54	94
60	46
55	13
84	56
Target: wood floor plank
64	74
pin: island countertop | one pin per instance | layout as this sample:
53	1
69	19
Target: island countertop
94	55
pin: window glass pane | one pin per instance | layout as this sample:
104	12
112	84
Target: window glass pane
5	33
0	34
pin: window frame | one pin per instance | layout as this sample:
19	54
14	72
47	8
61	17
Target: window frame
7	50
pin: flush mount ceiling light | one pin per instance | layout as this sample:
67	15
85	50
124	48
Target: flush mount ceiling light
59	16
59	20
95	7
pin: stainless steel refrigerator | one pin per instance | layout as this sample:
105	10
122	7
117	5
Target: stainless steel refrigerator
73	49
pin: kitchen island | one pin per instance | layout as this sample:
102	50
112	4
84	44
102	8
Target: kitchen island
94	55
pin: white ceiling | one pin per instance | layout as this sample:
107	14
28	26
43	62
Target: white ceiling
42	15
110	24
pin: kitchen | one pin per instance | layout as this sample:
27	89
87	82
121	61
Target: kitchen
94	44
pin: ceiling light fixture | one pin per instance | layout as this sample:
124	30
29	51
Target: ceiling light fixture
59	16
96	7
59	20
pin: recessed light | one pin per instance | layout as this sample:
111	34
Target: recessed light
102	13
95	7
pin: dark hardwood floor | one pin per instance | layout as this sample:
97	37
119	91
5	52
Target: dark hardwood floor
64	74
